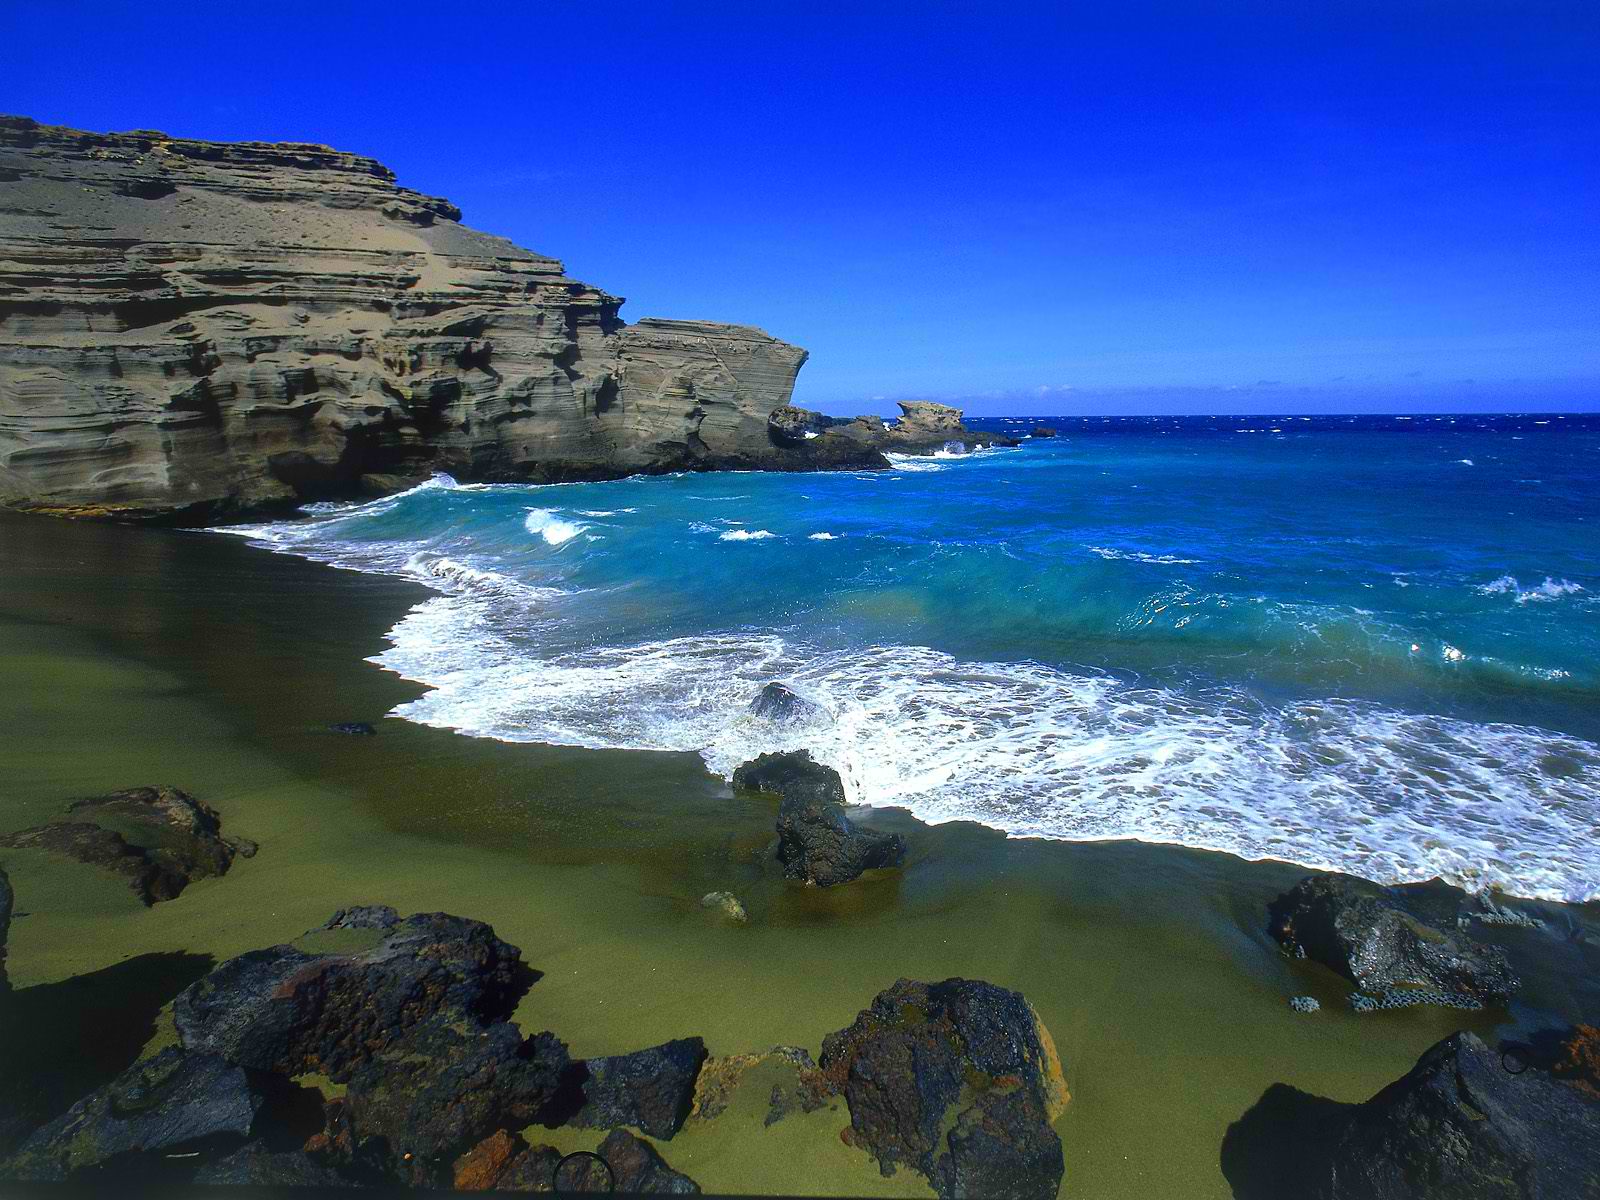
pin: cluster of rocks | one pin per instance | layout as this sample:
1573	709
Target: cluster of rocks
958	1080
6	901
923	427
159	838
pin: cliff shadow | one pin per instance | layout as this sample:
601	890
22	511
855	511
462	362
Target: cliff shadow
60	1041
1282	1146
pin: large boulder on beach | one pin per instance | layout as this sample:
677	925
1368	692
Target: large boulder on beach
958	1080
817	842
652	1090
172	1103
159	838
434	1092
350	989
1374	937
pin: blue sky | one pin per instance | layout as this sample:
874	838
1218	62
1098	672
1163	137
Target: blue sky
1142	207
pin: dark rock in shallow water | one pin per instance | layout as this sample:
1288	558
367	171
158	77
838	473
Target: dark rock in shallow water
168	1103
652	1089
505	1162
257	1165
367	977
777	703
958	1080
1366	933
787	1077
5	929
354	728
430	1095
160	838
1465	1124
816	841
1044	431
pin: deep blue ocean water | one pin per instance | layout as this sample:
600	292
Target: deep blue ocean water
1366	643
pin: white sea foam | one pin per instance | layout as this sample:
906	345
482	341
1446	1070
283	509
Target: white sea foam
746	535
915	462
1550	589
1037	751
1139	556
823	537
602	512
1466	462
554	530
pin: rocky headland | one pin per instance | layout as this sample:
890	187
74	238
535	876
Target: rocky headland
193	331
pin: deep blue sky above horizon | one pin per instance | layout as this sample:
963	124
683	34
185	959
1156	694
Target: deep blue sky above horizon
1240	206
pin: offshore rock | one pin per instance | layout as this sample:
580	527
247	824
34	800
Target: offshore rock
428	1096
925	427
193	331
1044	431
727	905
1371	936
652	1089
640	1170
817	842
168	1103
294	1010
777	703
1464	1125
958	1080
161	839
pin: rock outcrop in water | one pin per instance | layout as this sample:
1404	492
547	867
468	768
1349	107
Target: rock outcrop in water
1377	938
6	901
192	330
817	842
159	838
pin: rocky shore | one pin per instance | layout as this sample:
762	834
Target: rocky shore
196	331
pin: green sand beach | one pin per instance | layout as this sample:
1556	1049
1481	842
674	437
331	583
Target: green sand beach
143	656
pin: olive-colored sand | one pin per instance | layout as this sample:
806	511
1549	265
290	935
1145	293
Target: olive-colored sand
135	656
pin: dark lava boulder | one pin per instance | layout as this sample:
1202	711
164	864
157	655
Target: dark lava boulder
1369	935
1044	431
354	728
5	929
505	1162
1468	1122
816	841
958	1080
430	1095
789	425
171	1103
360	982
161	839
257	1165
651	1090
777	703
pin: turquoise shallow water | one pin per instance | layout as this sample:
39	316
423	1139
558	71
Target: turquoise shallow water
1370	644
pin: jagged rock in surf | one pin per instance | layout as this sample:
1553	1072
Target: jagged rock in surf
778	703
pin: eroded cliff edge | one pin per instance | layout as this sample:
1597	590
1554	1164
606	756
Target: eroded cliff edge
192	331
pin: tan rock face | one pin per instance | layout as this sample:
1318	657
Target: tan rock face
196	330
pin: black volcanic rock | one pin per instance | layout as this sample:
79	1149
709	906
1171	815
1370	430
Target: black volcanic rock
438	1089
1044	431
160	838
293	1010
651	1090
778	703
640	1170
259	1166
1369	935
170	1103
817	842
958	1080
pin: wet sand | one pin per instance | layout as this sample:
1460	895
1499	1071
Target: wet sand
139	656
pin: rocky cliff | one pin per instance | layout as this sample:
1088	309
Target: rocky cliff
191	331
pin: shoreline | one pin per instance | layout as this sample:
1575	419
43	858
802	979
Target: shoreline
215	665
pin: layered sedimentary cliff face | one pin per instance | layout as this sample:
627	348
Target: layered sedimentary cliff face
193	330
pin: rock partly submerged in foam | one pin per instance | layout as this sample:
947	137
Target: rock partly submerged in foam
1377	938
817	842
778	703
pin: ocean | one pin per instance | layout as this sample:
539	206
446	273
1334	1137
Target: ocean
1367	644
